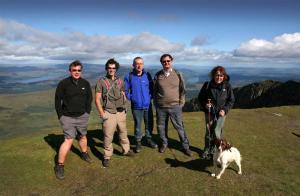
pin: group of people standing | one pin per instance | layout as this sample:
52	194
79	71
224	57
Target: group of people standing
73	100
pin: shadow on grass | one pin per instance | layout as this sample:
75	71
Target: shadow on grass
197	164
296	134
94	140
176	144
97	134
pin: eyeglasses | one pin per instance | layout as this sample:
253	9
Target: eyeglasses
111	68
76	70
166	61
219	75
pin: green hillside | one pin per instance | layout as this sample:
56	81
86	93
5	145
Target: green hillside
268	138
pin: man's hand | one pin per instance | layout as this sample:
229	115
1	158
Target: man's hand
101	114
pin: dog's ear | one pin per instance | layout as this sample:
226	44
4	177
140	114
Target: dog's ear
228	145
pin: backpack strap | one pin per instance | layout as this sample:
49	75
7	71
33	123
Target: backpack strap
156	76
207	85
181	85
108	87
130	77
119	82
129	81
107	84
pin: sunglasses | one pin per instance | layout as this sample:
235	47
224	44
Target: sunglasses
166	61
76	70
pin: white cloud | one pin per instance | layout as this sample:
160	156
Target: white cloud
199	56
200	40
21	41
283	46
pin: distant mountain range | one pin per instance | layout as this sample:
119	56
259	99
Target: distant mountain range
268	93
32	78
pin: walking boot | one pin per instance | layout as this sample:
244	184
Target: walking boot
151	143
138	147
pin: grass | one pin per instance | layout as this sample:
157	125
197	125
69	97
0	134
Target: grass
268	139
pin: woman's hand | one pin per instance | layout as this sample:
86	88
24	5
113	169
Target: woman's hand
222	113
208	105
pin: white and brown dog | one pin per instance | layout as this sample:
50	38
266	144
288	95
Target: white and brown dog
224	155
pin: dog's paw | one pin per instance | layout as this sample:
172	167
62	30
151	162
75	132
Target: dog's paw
212	174
218	177
240	173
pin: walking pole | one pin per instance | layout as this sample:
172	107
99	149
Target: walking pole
209	113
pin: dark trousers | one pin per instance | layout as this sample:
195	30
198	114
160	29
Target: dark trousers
138	116
175	114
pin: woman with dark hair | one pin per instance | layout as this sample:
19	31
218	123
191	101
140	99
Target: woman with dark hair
216	99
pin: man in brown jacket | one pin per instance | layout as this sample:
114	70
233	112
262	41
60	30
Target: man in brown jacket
169	98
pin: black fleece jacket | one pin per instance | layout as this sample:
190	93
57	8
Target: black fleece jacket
73	98
221	96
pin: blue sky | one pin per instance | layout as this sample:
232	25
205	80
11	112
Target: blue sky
195	32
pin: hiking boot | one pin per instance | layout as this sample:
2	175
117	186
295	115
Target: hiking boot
138	147
205	155
151	143
163	148
130	153
105	162
85	156
188	152
59	171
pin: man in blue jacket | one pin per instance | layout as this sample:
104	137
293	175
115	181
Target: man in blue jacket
138	89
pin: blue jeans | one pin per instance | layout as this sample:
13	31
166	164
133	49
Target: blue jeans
138	115
214	129
175	114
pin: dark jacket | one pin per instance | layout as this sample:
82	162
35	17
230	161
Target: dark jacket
221	96
73	99
138	89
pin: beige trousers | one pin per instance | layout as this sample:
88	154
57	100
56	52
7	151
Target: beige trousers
115	122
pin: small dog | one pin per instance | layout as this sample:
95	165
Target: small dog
224	155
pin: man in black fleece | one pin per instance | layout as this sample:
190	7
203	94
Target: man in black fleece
73	98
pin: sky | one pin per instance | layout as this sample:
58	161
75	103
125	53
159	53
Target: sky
195	32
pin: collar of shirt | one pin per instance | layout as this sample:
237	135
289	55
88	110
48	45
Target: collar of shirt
75	81
168	72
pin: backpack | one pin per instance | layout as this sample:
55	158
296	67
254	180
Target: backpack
204	87
109	86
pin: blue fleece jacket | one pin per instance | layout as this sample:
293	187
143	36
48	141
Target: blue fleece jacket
138	89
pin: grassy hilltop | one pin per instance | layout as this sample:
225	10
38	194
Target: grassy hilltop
268	138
